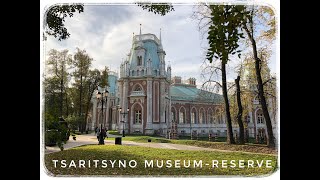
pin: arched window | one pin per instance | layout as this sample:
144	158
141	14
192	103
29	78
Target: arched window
202	117
260	117
193	117
137	113
182	115
137	117
173	115
219	116
210	116
181	118
139	58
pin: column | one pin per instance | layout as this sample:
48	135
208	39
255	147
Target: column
162	101
149	107
125	104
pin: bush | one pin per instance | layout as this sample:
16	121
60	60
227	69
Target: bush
51	137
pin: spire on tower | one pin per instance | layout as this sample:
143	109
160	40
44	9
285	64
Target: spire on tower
160	35
140	33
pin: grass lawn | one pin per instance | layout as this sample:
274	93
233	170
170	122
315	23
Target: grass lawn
140	154
249	147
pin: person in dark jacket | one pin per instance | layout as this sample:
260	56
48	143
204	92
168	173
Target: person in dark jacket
102	136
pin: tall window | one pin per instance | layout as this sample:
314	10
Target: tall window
219	119
137	119
181	118
211	118
193	117
260	118
203	118
139	60
173	117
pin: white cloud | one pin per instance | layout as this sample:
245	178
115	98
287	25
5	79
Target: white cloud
105	31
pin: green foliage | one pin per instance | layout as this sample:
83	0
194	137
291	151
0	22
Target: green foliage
56	82
50	121
157	8
104	77
58	135
224	32
73	122
82	63
51	137
140	154
55	18
74	101
113	132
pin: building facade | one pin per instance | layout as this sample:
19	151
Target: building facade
160	104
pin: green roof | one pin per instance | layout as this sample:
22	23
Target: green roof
191	93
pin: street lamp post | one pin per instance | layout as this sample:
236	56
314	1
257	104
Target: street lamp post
102	95
124	115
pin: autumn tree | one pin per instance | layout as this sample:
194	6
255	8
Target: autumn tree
249	27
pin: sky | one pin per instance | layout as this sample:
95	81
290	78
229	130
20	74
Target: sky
105	32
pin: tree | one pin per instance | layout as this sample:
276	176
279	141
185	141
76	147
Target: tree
250	80
57	78
82	62
94	79
55	18
248	26
104	77
223	36
157	8
245	18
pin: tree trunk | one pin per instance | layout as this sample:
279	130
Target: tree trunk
270	140
239	116
80	103
230	138
67	108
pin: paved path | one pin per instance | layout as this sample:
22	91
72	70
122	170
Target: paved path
92	139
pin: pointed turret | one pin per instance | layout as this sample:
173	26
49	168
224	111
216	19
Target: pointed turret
140	43
169	71
160	45
140	32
